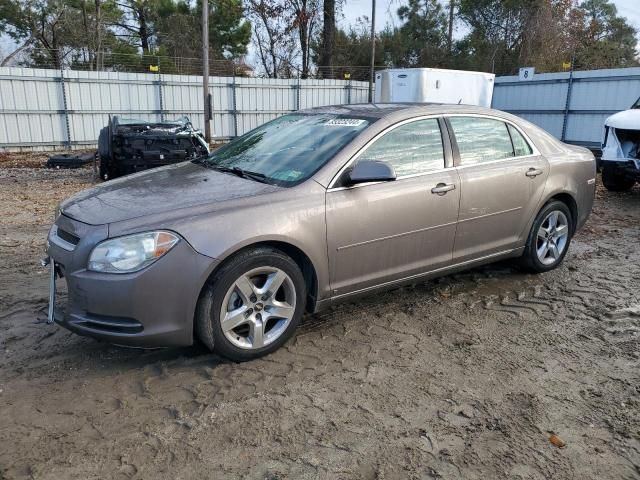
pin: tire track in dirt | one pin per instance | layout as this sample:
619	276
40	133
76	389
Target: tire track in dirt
463	376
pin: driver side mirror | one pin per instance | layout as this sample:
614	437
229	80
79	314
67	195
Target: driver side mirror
371	171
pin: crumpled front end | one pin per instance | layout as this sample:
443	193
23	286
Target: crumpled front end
621	145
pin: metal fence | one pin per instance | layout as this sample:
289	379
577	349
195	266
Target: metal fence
570	106
44	109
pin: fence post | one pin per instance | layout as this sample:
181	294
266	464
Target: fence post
235	104
349	92
298	94
160	97
65	109
565	117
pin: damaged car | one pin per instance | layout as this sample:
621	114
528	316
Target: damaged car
311	209
621	150
128	145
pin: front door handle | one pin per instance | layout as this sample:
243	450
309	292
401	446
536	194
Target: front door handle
533	172
443	188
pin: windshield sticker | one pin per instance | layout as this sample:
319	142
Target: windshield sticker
344	122
287	175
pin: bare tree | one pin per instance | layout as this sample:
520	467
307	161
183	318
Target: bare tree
305	15
272	35
137	23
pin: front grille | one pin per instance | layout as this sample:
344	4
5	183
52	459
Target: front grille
68	237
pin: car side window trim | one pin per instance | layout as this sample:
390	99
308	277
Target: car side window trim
511	129
454	144
446	145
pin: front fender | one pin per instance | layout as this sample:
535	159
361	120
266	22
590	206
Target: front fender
295	217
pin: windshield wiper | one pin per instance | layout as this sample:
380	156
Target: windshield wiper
258	177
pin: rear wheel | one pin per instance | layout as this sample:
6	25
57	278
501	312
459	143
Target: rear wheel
616	181
252	305
549	238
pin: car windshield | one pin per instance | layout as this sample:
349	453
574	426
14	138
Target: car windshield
636	105
289	149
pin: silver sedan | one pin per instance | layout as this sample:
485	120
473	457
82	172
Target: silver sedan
308	210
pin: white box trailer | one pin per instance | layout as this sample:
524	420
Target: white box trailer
425	85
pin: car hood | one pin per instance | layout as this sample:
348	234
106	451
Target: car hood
159	190
627	120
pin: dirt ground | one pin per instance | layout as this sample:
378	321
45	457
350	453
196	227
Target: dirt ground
464	377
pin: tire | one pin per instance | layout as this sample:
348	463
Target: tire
259	329
616	181
70	160
104	152
531	258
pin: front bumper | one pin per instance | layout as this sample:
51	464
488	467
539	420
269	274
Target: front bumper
150	308
630	168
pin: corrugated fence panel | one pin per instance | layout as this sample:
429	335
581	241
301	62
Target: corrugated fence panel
537	96
595	95
33	113
550	122
586	128
30	106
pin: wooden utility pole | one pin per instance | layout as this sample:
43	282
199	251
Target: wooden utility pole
205	70
373	48
452	11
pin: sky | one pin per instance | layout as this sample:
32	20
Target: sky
386	11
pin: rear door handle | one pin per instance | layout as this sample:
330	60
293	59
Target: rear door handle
443	188
533	172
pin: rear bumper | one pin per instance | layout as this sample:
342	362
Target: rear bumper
151	308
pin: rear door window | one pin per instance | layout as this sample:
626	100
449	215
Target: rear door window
481	140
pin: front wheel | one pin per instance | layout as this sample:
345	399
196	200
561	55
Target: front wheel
252	306
549	238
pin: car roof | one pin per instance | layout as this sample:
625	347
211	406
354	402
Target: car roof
399	110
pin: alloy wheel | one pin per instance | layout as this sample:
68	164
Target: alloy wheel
258	308
552	238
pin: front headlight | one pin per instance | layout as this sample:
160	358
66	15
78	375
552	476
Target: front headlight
131	253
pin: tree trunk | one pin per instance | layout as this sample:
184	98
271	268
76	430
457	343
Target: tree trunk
303	29
263	55
143	31
328	36
55	53
89	38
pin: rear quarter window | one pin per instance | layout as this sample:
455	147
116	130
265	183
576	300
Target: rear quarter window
521	147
